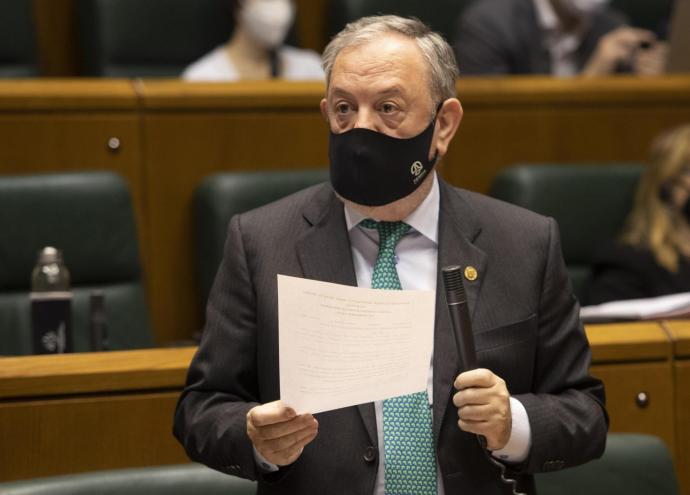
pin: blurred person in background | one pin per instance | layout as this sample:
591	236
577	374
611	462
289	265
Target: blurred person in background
652	255
256	49
559	37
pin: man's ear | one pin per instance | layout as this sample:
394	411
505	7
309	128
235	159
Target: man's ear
324	109
447	122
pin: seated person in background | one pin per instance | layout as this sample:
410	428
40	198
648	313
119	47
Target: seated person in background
256	49
559	37
652	256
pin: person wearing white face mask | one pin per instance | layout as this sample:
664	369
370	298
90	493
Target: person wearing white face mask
256	49
559	37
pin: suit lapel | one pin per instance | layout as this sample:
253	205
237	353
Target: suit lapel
324	254
458	229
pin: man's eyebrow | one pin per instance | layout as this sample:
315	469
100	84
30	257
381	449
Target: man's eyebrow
389	91
341	92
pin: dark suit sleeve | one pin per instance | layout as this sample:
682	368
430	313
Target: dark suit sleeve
566	406
479	43
210	420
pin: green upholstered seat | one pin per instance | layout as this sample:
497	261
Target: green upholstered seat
183	479
441	15
18	56
632	464
589	203
89	216
151	38
223	195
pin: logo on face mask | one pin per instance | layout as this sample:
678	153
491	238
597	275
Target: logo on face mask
416	168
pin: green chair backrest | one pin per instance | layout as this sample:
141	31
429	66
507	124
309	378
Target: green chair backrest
18	56
89	216
589	203
183	479
220	196
441	15
151	38
632	464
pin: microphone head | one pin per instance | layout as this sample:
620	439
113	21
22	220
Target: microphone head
452	281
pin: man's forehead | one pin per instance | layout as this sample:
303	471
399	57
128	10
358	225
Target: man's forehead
391	57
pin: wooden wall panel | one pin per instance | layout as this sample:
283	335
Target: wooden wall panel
623	382
43	438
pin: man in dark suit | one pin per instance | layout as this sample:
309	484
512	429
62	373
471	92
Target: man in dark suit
391	107
559	37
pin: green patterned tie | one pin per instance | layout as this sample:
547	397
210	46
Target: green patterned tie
409	456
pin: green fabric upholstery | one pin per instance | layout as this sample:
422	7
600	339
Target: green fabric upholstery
589	203
89	216
652	15
183	479
223	195
151	38
442	15
17	39
632	464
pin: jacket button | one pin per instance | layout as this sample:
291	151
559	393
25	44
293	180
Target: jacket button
370	454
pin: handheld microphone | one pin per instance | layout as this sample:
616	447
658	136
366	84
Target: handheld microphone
464	342
459	316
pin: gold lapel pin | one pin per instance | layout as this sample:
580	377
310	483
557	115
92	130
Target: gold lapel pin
471	273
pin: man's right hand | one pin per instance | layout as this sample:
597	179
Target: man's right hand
278	433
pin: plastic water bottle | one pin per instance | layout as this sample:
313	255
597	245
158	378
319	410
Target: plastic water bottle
51	304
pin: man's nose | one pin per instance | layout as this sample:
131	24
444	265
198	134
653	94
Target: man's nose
366	119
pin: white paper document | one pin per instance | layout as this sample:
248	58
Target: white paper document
653	308
341	345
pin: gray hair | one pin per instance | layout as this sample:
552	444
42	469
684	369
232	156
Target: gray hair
443	70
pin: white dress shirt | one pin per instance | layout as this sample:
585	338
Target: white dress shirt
416	264
561	45
297	65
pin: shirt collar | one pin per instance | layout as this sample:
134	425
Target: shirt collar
546	16
424	219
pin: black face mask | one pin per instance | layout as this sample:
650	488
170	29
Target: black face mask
372	169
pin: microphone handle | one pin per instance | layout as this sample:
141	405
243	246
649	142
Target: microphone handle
462	331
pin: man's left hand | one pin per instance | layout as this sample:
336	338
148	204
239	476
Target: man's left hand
483	404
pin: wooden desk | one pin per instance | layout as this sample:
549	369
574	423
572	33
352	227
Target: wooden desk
679	332
631	359
84	412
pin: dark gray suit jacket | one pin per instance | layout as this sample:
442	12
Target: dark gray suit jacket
504	37
525	317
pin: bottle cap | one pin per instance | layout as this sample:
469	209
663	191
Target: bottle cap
49	254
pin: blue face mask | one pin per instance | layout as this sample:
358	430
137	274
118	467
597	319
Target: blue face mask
372	169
